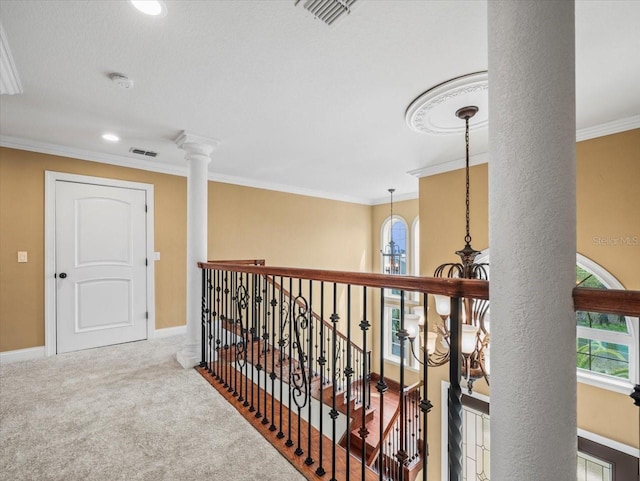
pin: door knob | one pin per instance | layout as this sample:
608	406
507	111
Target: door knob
62	275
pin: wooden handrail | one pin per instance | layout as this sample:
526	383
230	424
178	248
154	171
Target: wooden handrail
244	262
412	388
432	285
609	301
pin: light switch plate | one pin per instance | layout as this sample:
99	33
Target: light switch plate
22	256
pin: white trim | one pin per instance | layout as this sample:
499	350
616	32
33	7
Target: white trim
91	156
449	166
396	198
172	169
603	381
602	130
19	355
170	332
50	344
610	443
608	128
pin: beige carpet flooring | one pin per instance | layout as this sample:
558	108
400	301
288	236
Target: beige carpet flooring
126	412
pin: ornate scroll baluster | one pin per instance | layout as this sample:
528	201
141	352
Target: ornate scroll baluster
298	376
242	300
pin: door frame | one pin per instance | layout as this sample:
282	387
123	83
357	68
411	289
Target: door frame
51	177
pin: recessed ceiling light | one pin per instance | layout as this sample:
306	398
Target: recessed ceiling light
150	7
111	137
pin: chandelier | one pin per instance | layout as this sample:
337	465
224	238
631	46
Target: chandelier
475	325
392	255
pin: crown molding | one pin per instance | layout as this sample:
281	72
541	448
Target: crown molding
171	169
9	79
602	130
396	198
608	128
443	167
91	156
288	189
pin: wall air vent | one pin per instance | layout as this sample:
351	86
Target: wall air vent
328	10
147	153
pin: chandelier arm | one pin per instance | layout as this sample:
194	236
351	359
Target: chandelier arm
413	352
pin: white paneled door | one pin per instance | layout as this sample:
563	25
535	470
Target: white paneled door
100	239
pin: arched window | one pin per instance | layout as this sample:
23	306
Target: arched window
607	344
396	257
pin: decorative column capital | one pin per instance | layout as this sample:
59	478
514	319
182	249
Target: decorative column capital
196	145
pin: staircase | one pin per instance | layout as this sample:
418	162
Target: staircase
284	364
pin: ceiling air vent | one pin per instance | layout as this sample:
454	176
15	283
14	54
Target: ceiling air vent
148	153
328	10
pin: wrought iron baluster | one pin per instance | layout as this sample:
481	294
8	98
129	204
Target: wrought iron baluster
334	413
203	316
298	379
382	387
364	327
282	344
425	405
234	323
289	442
348	372
226	331
309	461
401	455
321	362
211	318
219	359
248	279
455	394
273	376
242	300
254	317
257	337
265	345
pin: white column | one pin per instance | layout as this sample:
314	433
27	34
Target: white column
198	150
532	218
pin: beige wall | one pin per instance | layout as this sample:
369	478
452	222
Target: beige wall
22	226
284	229
608	205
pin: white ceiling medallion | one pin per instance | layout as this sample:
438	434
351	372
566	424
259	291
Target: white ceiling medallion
9	79
433	112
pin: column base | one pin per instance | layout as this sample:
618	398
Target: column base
188	357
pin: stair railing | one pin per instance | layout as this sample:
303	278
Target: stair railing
403	434
271	345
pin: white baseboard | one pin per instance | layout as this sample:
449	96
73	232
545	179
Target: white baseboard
22	355
170	331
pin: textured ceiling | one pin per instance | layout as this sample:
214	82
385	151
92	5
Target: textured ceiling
296	105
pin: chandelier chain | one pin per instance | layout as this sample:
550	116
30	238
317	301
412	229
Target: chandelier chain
467	238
